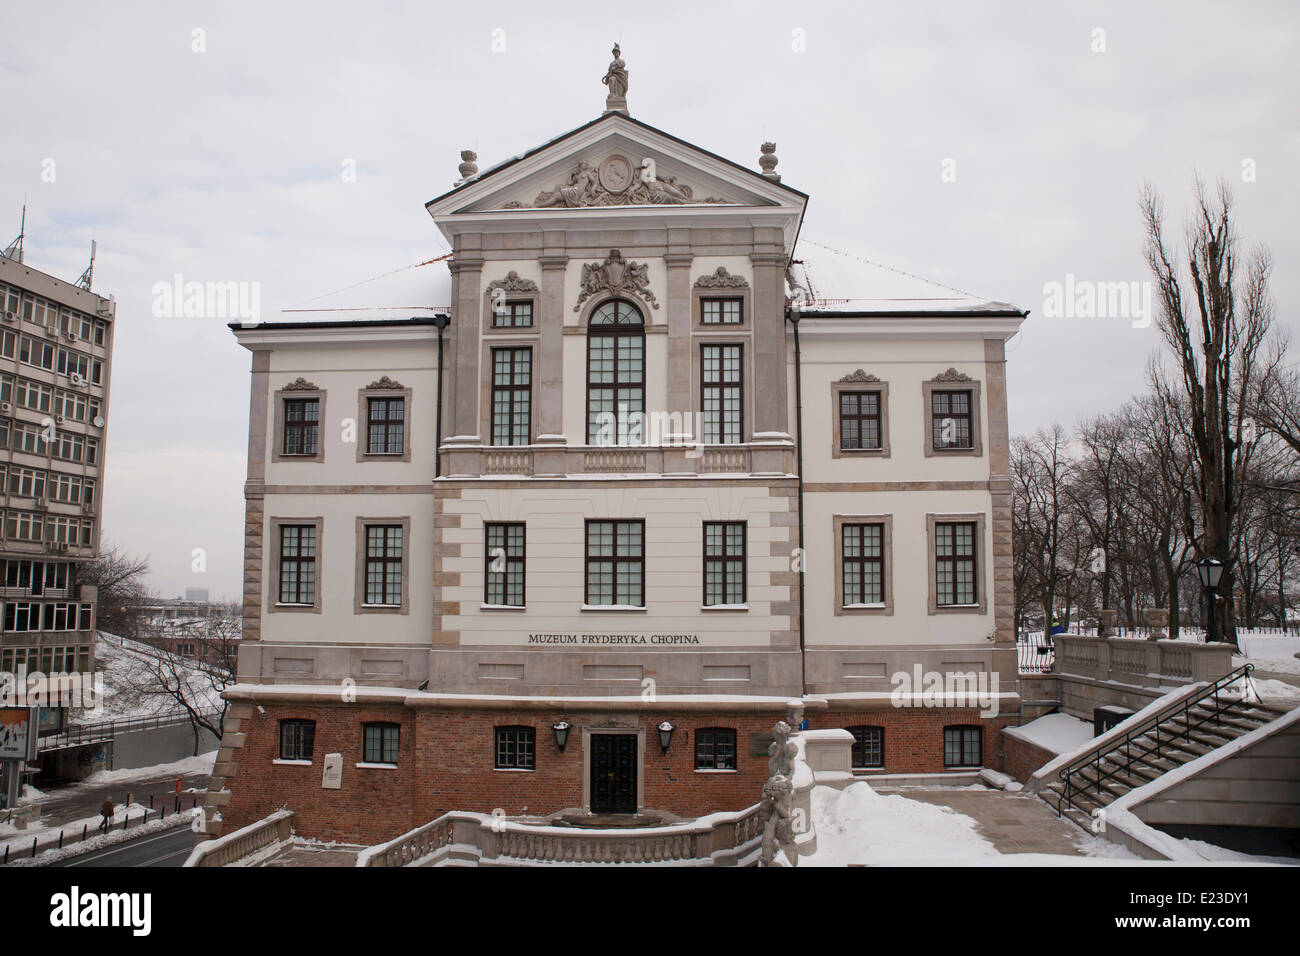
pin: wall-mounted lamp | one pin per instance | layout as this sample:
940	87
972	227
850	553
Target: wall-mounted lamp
665	735
561	734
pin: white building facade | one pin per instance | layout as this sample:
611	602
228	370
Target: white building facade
689	472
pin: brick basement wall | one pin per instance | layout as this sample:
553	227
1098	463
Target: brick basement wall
1024	758
445	762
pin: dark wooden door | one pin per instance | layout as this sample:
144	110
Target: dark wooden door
613	773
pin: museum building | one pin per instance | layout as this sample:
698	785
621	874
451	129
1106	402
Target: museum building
565	520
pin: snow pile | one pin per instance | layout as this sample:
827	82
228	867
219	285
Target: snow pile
858	825
1056	733
200	764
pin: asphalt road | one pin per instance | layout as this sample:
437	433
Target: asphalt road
168	848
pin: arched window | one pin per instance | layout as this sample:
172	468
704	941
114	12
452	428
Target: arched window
615	374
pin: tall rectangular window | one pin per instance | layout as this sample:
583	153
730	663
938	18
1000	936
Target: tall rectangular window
863	556
301	426
503	569
385	423
384	565
963	746
298	564
727	311
615	375
511	396
512	315
724	563
723	394
615	563
954	563
379	743
860	420
950	420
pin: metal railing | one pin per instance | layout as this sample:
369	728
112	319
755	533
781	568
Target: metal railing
82	734
1071	791
1035	653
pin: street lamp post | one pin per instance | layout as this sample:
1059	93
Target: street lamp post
1210	571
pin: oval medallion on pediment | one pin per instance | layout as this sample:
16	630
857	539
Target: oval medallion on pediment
616	173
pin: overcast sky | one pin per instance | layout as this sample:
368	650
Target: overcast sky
226	164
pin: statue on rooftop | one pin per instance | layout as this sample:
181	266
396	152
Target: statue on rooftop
616	77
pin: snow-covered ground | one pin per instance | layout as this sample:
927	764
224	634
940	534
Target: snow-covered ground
859	825
19	839
131	686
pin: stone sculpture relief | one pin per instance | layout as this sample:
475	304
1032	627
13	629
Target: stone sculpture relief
300	384
616	276
952	375
513	283
859	377
720	278
615	183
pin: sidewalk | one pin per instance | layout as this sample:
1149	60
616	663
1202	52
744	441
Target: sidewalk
75	801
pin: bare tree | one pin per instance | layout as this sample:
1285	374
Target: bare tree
192	686
119	578
1214	321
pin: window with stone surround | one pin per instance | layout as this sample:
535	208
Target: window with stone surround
952	409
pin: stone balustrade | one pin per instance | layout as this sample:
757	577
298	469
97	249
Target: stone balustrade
1141	663
223	851
720	839
775	457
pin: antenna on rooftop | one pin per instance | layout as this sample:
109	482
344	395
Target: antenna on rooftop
15	249
88	276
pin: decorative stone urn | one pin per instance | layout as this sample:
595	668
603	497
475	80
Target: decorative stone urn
1158	621
1106	620
767	161
468	167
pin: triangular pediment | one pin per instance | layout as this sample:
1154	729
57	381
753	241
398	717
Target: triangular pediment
615	165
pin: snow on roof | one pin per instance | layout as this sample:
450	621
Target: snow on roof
841	282
418	290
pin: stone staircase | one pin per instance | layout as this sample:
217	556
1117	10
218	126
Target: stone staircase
1201	721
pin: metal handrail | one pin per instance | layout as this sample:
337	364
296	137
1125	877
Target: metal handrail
1102	751
79	734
